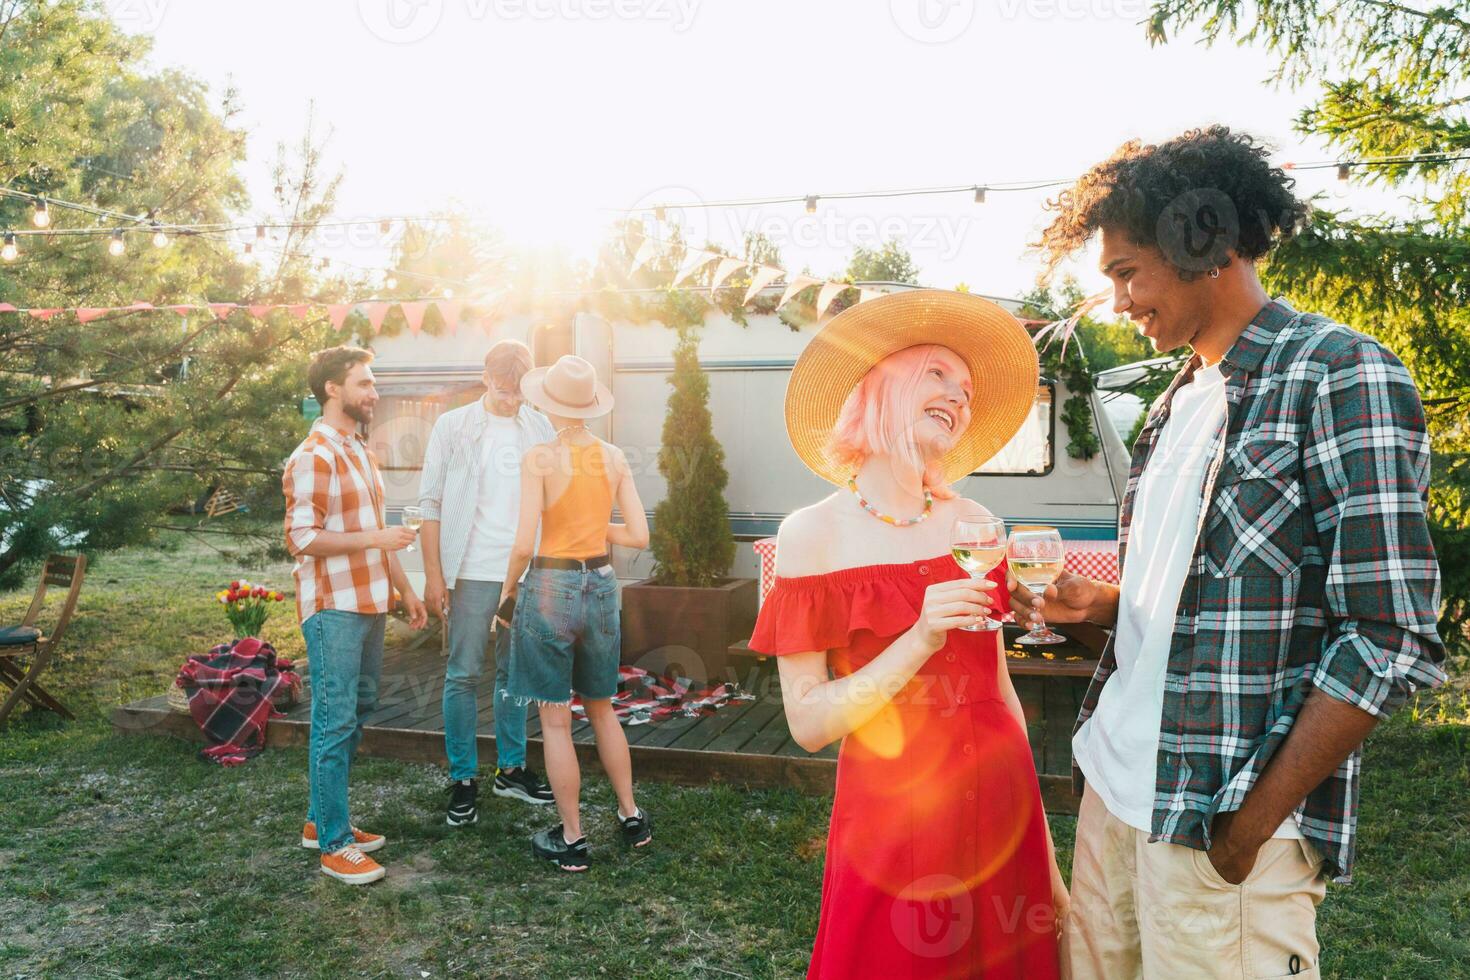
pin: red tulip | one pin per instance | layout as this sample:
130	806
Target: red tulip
234	585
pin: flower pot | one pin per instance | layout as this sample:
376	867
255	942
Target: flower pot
687	631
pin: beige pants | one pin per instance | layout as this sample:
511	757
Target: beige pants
1161	911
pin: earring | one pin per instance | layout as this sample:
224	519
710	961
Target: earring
1215	272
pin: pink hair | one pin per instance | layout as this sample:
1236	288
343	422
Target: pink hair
878	417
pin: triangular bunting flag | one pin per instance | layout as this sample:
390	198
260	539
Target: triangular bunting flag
337	312
86	314
693	262
414	314
221	310
7	308
647	252
140	305
43	314
299	310
763	276
183	309
449	310
828	293
259	312
723	271
375	313
795	286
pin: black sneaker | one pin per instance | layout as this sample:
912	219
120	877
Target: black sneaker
551	845
637	829
522	783
462	796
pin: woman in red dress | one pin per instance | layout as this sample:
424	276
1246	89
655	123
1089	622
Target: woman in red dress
939	860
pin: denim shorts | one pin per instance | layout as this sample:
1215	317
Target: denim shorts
566	636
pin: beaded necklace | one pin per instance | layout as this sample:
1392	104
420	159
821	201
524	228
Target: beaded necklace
896	522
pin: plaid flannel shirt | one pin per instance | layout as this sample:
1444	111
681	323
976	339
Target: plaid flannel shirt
328	488
1312	567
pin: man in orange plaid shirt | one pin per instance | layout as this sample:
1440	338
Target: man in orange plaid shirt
346	574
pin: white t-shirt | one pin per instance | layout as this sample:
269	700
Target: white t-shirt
1117	747
497	502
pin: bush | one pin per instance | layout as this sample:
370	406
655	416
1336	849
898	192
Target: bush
691	539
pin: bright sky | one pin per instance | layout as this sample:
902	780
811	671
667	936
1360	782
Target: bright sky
546	116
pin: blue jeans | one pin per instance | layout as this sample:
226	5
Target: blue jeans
345	653
472	608
566	636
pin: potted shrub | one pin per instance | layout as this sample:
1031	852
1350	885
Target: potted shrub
684	618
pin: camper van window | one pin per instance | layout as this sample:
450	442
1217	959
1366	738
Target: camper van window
1029	453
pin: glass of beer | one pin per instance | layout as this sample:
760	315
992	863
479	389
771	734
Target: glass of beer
978	545
1036	555
413	519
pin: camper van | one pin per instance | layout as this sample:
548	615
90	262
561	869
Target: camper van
1032	480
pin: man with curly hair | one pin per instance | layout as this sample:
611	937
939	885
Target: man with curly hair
1279	594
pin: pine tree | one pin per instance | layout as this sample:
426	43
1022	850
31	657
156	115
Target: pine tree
691	538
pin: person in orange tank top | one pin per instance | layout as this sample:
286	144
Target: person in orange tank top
566	627
939	860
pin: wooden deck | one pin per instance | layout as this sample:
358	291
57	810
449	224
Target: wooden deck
744	743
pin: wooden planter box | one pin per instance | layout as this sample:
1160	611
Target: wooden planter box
687	631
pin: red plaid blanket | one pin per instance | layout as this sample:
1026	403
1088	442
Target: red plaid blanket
230	690
643	698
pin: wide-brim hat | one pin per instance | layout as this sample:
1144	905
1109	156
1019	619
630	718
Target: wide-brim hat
568	388
993	344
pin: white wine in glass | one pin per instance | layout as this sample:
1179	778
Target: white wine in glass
978	545
413	519
1036	555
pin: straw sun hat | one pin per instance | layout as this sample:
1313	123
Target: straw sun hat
994	346
568	388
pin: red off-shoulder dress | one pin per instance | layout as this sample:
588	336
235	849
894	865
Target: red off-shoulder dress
936	857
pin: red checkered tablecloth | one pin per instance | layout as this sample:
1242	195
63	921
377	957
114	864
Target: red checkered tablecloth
1095	559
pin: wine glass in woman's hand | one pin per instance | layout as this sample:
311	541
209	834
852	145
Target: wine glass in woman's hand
960	602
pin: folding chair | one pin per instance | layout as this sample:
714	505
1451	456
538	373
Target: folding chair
27	641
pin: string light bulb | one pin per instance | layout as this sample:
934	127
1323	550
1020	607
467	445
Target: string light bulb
260	233
1342	171
979	195
249	248
384	227
658	213
449	294
8	251
116	246
390	283
811	204
42	217
160	240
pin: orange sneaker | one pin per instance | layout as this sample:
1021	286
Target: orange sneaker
352	866
361	839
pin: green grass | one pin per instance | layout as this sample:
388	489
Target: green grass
123	856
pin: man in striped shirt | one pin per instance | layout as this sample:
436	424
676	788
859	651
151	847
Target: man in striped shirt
345	574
